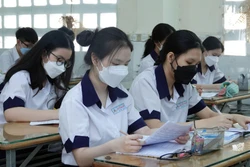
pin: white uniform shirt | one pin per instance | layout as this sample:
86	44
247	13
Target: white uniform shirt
152	98
84	122
148	61
212	76
18	93
7	59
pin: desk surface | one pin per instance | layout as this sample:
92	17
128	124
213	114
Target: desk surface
223	99
14	135
224	157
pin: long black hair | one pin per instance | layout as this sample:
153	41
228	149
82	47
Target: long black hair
160	32
179	42
33	61
103	43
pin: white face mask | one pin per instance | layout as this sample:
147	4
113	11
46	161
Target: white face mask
53	70
211	60
113	75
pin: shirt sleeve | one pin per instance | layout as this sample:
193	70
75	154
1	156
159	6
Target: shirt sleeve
5	62
15	91
146	99
135	121
145	64
219	76
73	125
196	104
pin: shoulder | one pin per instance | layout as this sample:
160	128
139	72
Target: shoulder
146	75
20	77
6	54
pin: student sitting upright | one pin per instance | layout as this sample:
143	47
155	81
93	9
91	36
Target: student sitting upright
25	39
38	80
209	76
164	93
154	45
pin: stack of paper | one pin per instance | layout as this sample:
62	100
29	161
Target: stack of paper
162	141
230	137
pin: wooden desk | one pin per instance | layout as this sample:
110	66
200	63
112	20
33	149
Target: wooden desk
224	157
222	99
14	136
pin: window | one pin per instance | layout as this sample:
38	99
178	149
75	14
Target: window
40	2
25	21
10	21
46	15
235	28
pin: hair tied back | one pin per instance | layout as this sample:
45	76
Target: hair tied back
85	38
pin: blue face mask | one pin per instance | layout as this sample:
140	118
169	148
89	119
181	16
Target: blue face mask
24	50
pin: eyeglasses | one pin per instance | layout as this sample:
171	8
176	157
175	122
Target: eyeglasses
28	46
176	156
60	61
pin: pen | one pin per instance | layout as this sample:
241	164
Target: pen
216	109
123	133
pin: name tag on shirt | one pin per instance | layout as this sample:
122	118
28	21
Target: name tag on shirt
119	108
181	104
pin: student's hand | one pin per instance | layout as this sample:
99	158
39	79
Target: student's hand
127	144
223	120
241	120
199	89
183	139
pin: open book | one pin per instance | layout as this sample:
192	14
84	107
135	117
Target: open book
49	122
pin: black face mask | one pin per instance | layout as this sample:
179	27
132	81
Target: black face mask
184	74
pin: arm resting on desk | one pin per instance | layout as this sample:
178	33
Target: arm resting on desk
209	119
22	114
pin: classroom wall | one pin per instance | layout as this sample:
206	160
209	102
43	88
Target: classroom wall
203	17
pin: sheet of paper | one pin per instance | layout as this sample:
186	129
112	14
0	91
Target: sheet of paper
169	131
159	149
239	129
44	122
208	95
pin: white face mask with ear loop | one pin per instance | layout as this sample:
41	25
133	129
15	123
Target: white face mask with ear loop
52	69
113	75
211	60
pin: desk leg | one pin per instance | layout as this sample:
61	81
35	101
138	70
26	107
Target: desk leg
239	104
10	158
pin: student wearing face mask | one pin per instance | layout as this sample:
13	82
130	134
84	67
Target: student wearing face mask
154	45
95	111
164	93
25	39
209	76
38	80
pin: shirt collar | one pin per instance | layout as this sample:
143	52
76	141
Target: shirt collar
154	55
89	96
211	68
162	84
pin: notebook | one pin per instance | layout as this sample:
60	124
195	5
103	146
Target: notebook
49	122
